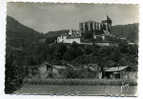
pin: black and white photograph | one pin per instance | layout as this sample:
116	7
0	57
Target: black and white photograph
71	49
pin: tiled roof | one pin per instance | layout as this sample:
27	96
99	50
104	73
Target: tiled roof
113	69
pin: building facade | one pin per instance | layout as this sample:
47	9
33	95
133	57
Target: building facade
70	37
95	30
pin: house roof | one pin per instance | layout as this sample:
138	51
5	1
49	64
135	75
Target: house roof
93	68
113	69
59	67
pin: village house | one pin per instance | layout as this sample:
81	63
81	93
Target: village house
70	37
47	70
119	72
96	70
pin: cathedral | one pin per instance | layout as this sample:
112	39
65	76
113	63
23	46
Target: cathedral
95	30
89	32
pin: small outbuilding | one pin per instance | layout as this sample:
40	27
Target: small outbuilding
120	72
47	70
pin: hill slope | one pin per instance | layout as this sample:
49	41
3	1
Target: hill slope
129	31
19	38
19	35
51	34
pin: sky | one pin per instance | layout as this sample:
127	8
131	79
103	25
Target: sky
44	17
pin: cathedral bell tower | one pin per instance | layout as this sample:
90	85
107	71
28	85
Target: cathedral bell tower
109	23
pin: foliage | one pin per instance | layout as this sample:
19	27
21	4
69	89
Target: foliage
15	70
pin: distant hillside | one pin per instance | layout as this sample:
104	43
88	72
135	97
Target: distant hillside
51	34
19	35
129	31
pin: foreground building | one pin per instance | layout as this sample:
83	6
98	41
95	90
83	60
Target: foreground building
120	72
